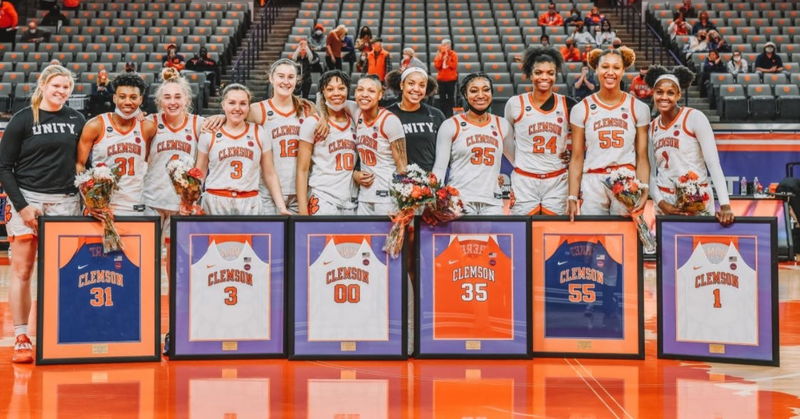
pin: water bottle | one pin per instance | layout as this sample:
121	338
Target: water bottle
757	188
743	186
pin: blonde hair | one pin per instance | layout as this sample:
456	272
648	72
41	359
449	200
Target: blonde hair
300	107
38	94
174	78
236	86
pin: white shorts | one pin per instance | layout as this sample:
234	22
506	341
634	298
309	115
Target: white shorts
223	205
482	208
376	208
49	204
268	206
319	205
534	196
165	217
597	198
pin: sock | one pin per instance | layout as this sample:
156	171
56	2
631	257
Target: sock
20	329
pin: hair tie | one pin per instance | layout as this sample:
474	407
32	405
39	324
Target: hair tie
670	77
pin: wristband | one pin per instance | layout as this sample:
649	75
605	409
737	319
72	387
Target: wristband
572	198
644	185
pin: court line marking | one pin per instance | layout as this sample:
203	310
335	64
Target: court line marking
592	388
614	399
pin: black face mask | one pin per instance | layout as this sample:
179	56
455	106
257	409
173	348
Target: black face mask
481	112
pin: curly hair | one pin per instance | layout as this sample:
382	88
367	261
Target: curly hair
626	54
326	79
536	55
394	81
130	80
684	75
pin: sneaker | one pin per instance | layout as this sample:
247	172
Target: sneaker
23	350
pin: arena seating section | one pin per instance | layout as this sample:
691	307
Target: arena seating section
746	26
486	34
107	34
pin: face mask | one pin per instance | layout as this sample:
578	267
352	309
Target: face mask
335	108
318	33
616	46
769	49
702	37
127	117
737	59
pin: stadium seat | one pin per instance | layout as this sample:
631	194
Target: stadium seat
775	79
732	102
762	102
788	101
747	79
22	94
5	96
26	67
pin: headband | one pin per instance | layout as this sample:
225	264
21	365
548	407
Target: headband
669	77
411	70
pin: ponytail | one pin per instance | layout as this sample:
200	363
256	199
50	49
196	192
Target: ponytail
38	94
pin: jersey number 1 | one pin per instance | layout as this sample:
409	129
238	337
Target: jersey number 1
717	300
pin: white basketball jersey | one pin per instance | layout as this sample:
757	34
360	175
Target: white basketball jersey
348	399
229	294
540	136
676	150
283	131
229	398
167	145
125	151
375	152
717	302
234	162
348	297
332	162
475	159
610	132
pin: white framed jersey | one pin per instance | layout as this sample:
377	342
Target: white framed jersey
125	151
169	144
348	293
229	293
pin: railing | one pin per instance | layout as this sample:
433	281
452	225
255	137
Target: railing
263	20
648	44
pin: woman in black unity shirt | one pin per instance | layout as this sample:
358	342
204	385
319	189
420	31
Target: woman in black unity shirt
37	171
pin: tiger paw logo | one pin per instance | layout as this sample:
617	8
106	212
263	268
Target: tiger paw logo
512	199
7	211
313	205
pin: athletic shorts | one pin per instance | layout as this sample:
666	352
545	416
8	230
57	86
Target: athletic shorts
268	206
223	205
534	196
320	205
482	208
49	204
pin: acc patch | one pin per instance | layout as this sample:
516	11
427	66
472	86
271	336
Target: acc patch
160	126
528	109
219	135
270	113
109	129
593	106
463	124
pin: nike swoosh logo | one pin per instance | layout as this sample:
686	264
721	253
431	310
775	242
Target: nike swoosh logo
327	263
82	266
696	267
562	262
210	266
452	262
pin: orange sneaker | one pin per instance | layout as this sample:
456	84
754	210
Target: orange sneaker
23	350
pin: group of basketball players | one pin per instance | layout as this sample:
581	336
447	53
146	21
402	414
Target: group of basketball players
287	156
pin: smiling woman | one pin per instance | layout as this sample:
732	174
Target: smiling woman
37	171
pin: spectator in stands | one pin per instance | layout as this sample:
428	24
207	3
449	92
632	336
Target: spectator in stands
586	83
55	18
717	43
72	4
349	51
410	60
605	35
679	27
552	17
581	36
573	19
130	67
737	64
768	61
593	19
173	59
639	87
47	4
703	24
101	99
570	52
446	64
545	40
317	39
307	58
586	50
687	9
34	34
201	62
363	45
616	44
712	64
697	43
333	47
55	61
379	62
8	21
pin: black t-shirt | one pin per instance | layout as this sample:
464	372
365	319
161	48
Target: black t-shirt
40	158
421	128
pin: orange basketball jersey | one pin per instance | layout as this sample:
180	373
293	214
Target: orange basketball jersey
472	291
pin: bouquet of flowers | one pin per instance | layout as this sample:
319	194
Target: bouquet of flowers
96	186
187	181
628	190
410	190
690	196
446	207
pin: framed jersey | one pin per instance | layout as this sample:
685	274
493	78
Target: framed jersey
718	290
587	288
348	297
472	294
227	287
96	306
